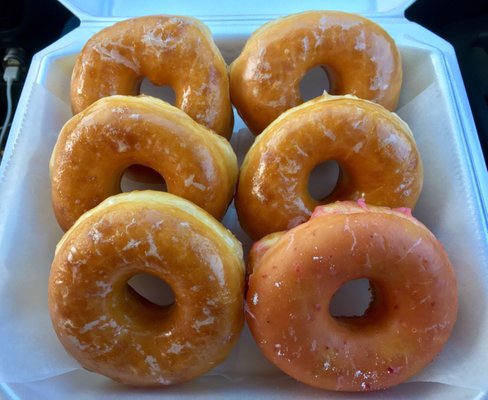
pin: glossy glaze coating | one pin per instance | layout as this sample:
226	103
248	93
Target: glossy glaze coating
167	50
375	150
360	58
295	275
109	328
97	145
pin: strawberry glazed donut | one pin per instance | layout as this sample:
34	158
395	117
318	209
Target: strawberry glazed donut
97	145
111	329
296	274
374	148
359	57
167	50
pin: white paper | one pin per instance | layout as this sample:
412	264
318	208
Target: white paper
29	232
85	386
464	359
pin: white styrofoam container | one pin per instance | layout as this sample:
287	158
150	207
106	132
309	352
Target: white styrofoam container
456	182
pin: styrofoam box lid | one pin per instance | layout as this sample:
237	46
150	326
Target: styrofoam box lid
89	10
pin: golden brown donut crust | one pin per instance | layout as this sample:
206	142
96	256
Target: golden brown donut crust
359	57
97	145
109	328
295	275
375	150
168	50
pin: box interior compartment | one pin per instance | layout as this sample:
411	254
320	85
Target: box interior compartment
448	189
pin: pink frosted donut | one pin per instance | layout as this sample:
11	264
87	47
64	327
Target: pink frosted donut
296	274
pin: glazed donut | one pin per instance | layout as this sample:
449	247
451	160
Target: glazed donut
167	50
375	150
111	329
410	317
97	145
359	57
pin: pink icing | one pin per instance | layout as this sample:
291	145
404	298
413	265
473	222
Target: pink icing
341	207
404	210
318	211
362	203
349	207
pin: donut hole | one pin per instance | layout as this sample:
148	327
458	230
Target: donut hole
140	177
352	299
165	92
152	289
323	180
313	83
